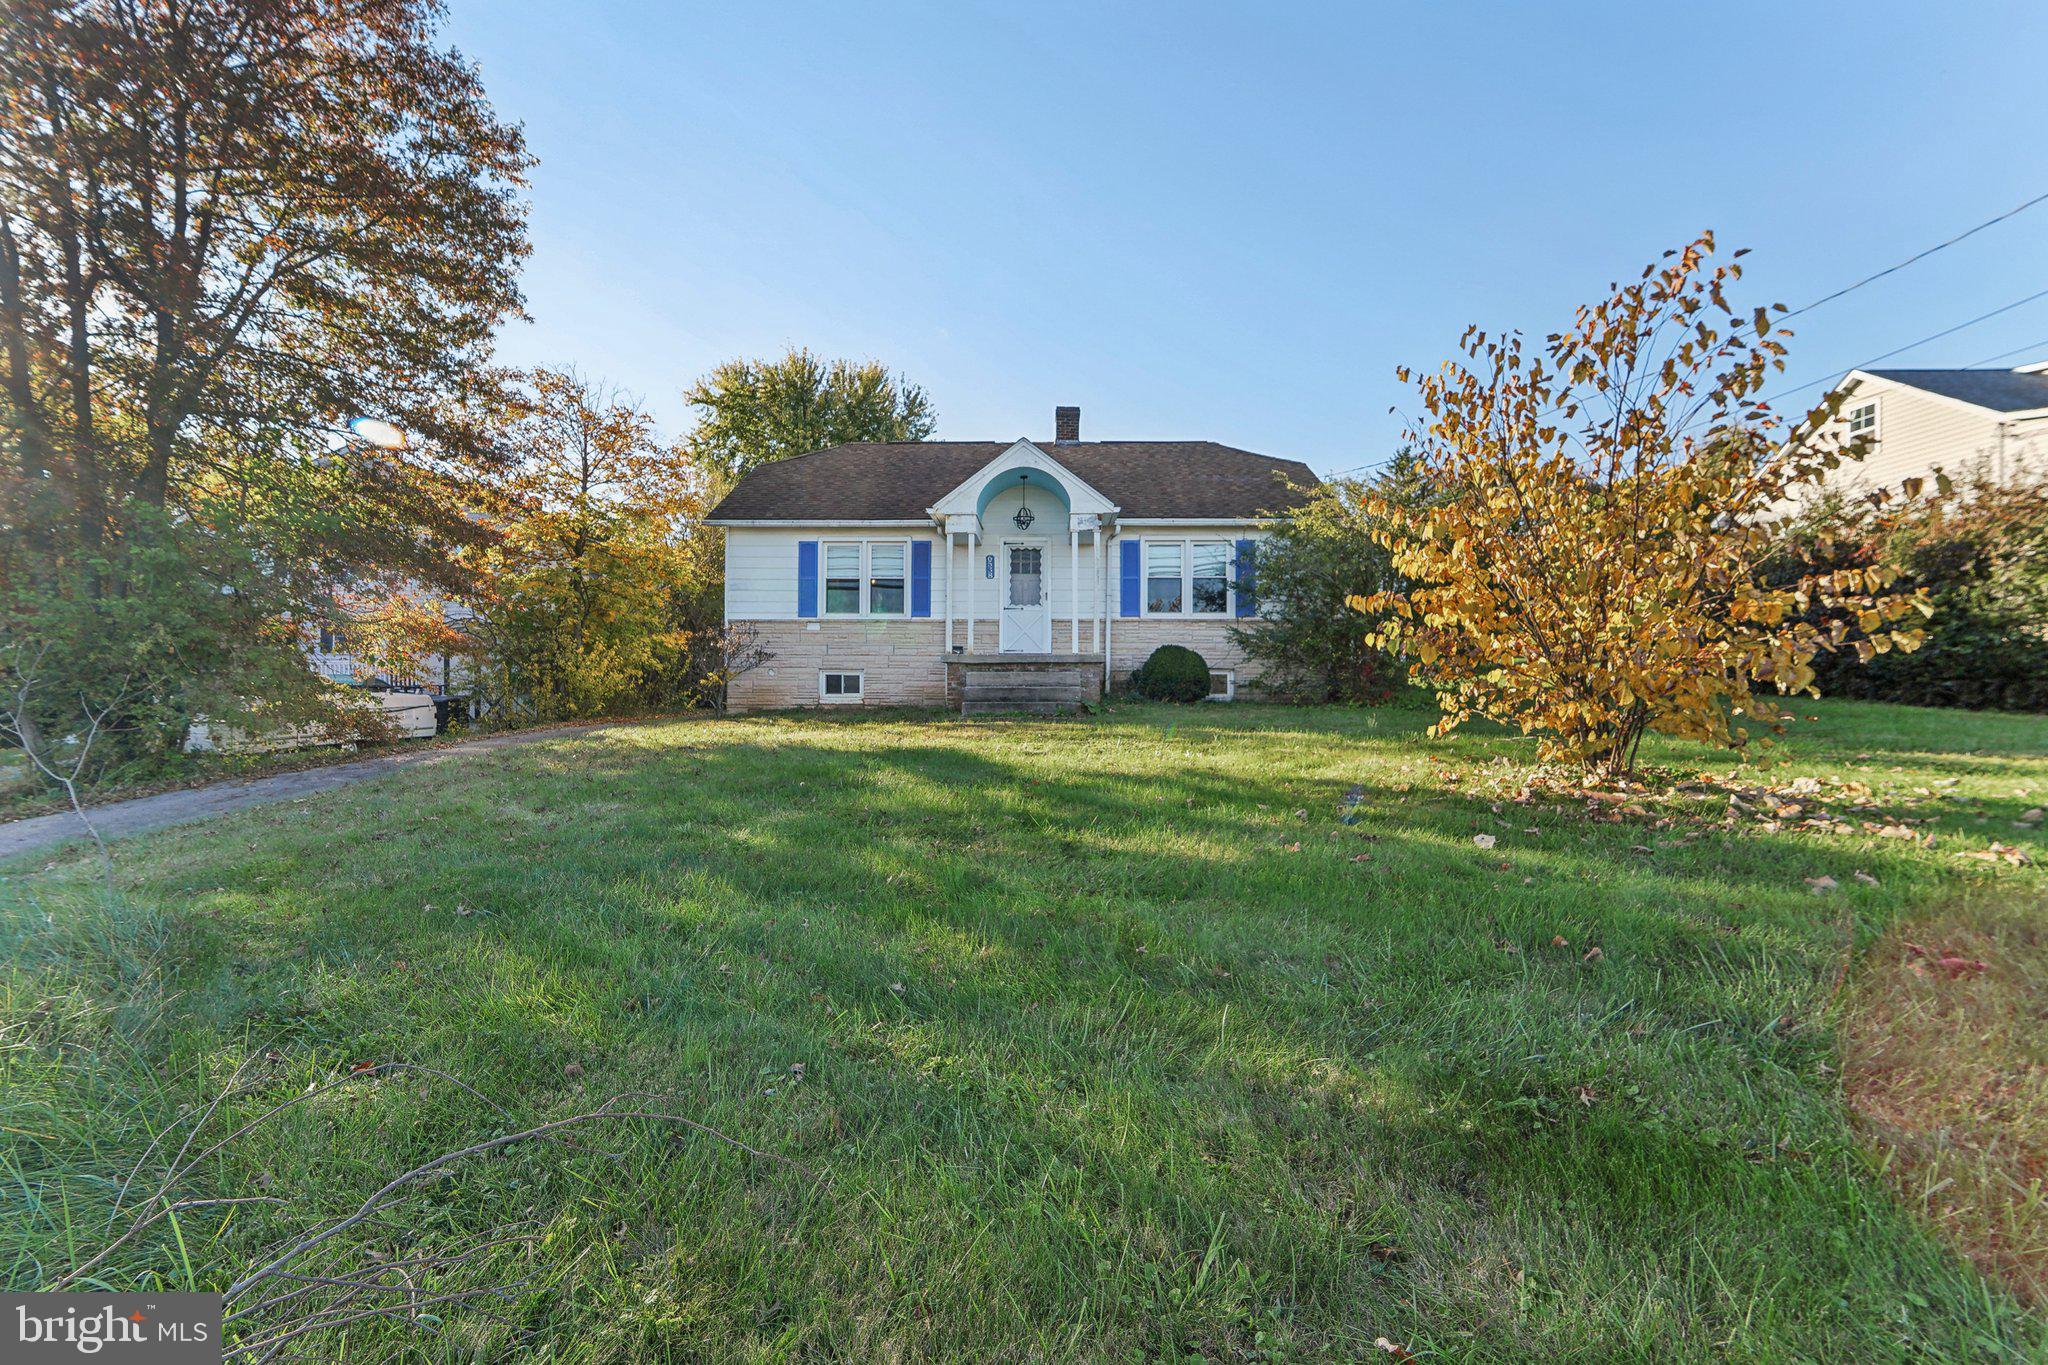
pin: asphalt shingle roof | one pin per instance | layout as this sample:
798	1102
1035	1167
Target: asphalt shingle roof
897	481
1998	390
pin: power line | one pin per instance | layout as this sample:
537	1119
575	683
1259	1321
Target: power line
1870	279
1899	350
1916	256
2030	346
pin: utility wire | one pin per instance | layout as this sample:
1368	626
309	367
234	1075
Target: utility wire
1916	256
2030	346
1900	350
1871	279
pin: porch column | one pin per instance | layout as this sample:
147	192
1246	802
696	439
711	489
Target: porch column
949	590
973	589
1074	587
1101	593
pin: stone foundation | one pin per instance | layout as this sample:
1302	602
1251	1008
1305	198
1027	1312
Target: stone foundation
904	663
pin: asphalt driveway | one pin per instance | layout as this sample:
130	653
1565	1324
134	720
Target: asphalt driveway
117	818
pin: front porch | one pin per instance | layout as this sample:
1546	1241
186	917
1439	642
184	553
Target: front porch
1044	684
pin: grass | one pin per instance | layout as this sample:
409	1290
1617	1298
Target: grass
1108	1038
1946	1068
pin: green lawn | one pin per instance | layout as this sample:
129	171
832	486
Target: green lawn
1103	1039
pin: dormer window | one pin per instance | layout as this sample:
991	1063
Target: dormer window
1863	420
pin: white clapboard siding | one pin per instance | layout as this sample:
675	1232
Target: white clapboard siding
1918	431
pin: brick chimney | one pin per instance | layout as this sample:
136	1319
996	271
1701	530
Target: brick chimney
1066	424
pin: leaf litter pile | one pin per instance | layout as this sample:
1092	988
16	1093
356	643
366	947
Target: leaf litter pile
1800	805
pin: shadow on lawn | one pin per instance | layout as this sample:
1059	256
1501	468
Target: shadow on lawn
1158	984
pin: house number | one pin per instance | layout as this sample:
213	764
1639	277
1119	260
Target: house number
988	566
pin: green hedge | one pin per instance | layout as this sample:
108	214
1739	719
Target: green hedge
1173	673
1981	552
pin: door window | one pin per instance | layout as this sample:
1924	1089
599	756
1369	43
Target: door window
1027	576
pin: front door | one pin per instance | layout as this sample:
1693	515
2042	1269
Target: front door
1027	613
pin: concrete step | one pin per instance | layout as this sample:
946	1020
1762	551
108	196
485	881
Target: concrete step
978	707
1027	689
1073	675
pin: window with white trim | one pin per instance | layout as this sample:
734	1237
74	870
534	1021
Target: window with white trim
1209	577
1222	685
839	687
887	561
1164	592
1863	420
866	578
1188	578
842	578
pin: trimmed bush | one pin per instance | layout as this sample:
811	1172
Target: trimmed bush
1173	673
1981	552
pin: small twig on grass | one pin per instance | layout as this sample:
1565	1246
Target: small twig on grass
306	1283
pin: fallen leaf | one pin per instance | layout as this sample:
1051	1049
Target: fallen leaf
1484	841
1560	942
573	1070
1593	954
1860	875
1820	886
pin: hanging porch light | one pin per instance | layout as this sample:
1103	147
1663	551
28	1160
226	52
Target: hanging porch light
1024	518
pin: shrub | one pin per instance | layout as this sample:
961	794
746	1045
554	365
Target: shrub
1173	673
1980	550
1311	645
1595	567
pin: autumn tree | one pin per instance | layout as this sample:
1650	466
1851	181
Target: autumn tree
592	537
1594	569
753	411
227	227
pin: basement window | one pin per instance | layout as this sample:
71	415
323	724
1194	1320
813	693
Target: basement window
1222	685
839	687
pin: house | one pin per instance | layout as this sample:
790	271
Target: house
1992	423
993	574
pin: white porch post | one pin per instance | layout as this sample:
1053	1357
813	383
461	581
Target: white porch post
1074	586
1101	591
973	588
949	588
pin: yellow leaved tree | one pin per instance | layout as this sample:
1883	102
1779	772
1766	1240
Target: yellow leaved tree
1593	566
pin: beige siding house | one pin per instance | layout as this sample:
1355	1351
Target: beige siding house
994	575
1992	423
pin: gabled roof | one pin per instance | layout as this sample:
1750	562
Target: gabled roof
899	480
1995	390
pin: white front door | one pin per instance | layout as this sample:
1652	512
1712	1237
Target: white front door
1026	599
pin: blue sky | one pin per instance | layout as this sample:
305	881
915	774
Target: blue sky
1233	221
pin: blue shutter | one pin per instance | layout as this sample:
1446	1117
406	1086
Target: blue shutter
807	578
1132	586
920	578
1247	578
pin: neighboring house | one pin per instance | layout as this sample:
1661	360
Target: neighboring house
993	574
444	683
1992	423
330	655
